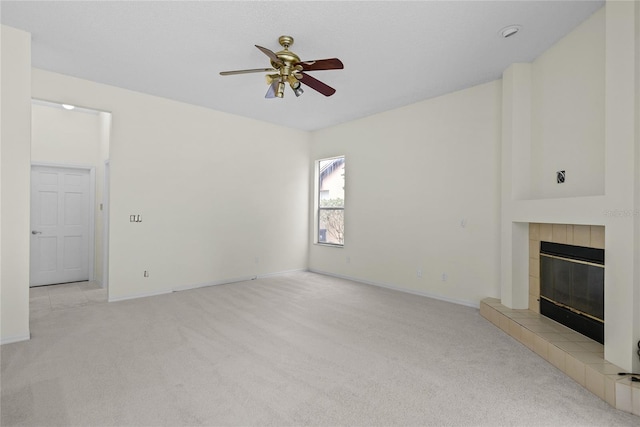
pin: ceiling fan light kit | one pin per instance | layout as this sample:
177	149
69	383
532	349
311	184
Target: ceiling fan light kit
287	67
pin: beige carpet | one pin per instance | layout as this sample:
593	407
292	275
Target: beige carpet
43	299
298	349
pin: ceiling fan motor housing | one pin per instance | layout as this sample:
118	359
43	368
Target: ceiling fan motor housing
287	57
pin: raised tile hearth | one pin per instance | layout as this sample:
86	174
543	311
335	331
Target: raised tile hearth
579	357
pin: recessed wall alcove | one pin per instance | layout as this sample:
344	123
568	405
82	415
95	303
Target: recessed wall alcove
545	121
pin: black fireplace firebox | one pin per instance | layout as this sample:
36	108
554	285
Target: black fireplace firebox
572	287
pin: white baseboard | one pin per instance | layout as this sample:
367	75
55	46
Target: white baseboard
236	280
141	295
203	285
181	288
467	303
214	283
10	340
280	273
473	304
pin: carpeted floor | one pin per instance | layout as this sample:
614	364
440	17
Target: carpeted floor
297	349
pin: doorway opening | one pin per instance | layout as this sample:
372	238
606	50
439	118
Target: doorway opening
69	200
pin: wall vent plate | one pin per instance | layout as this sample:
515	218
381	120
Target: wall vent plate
560	176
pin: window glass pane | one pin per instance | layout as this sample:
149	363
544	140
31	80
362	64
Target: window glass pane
331	226
331	193
331	201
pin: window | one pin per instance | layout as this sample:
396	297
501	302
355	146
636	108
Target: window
330	202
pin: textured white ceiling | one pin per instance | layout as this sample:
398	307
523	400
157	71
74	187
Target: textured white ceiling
395	52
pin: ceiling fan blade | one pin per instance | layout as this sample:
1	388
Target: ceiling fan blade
253	70
270	54
316	84
321	64
273	88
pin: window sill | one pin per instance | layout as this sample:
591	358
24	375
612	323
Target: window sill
330	245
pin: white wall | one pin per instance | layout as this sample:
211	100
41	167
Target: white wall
621	120
104	130
412	175
61	136
15	116
567	121
221	197
637	180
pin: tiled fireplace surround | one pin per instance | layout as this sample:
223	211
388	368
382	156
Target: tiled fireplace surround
579	357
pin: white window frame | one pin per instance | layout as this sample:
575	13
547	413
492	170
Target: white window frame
317	207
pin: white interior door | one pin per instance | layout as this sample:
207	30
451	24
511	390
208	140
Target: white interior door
60	218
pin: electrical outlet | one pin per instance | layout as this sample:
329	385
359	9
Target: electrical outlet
444	277
257	260
419	273
348	260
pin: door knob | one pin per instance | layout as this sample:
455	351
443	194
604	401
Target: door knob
36	232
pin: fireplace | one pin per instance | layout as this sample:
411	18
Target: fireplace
572	287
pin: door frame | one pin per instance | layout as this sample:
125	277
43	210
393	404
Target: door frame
106	201
92	207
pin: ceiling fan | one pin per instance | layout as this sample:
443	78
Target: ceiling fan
286	67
